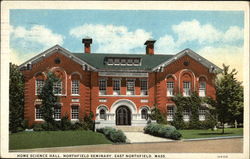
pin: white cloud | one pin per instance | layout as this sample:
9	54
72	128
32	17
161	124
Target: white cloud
166	44
229	55
111	38
18	58
36	36
234	33
193	30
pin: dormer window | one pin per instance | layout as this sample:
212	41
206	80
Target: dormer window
110	61
117	61
123	61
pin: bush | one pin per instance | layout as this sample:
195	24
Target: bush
166	131
116	136
38	127
65	123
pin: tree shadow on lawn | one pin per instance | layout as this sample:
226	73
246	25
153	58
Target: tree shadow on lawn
214	133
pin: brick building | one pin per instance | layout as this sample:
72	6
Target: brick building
120	89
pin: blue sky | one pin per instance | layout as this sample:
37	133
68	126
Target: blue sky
213	34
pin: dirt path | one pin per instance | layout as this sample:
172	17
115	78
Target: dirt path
205	146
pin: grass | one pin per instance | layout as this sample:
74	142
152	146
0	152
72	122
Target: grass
192	134
28	140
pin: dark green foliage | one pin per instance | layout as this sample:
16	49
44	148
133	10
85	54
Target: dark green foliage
166	131
116	136
49	100
193	103
16	99
38	127
65	123
88	122
157	115
229	97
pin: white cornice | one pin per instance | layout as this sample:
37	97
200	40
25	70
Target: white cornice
55	49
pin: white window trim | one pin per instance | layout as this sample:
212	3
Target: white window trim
36	86
141	87
116	79
130	79
106	85
76	105
204	90
169	95
190	88
36	118
173	106
61	90
78	88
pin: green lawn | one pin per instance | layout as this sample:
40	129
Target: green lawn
191	134
26	140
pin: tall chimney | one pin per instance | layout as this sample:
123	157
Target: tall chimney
150	46
87	41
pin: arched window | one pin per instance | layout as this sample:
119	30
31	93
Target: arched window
102	114
144	113
202	87
59	86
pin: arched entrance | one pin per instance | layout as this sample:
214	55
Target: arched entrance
123	116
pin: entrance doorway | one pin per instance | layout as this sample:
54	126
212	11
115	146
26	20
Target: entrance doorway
123	116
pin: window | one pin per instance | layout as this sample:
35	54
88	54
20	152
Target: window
186	89
123	62
117	61
186	115
136	62
57	88
102	86
130	87
75	87
144	87
170	113
39	86
38	113
144	113
110	61
130	62
170	88
202	114
116	86
57	112
102	114
202	89
74	112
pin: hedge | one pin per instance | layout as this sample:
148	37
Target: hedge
166	131
116	136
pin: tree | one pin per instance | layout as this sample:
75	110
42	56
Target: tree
49	100
157	115
16	98
229	97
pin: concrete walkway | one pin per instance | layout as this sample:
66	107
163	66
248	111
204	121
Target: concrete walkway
140	137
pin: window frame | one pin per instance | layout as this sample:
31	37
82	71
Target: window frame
101	90
38	110
102	114
73	88
202	90
170	112
170	91
144	116
57	113
144	88
128	86
37	91
185	92
73	113
116	91
186	115
202	114
55	85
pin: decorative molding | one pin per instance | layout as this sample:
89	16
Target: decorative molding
122	74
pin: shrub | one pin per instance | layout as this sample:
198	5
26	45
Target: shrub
65	123
88	122
116	136
38	127
166	131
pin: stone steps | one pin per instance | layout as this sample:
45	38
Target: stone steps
130	128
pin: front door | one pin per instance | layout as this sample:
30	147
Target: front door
123	116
